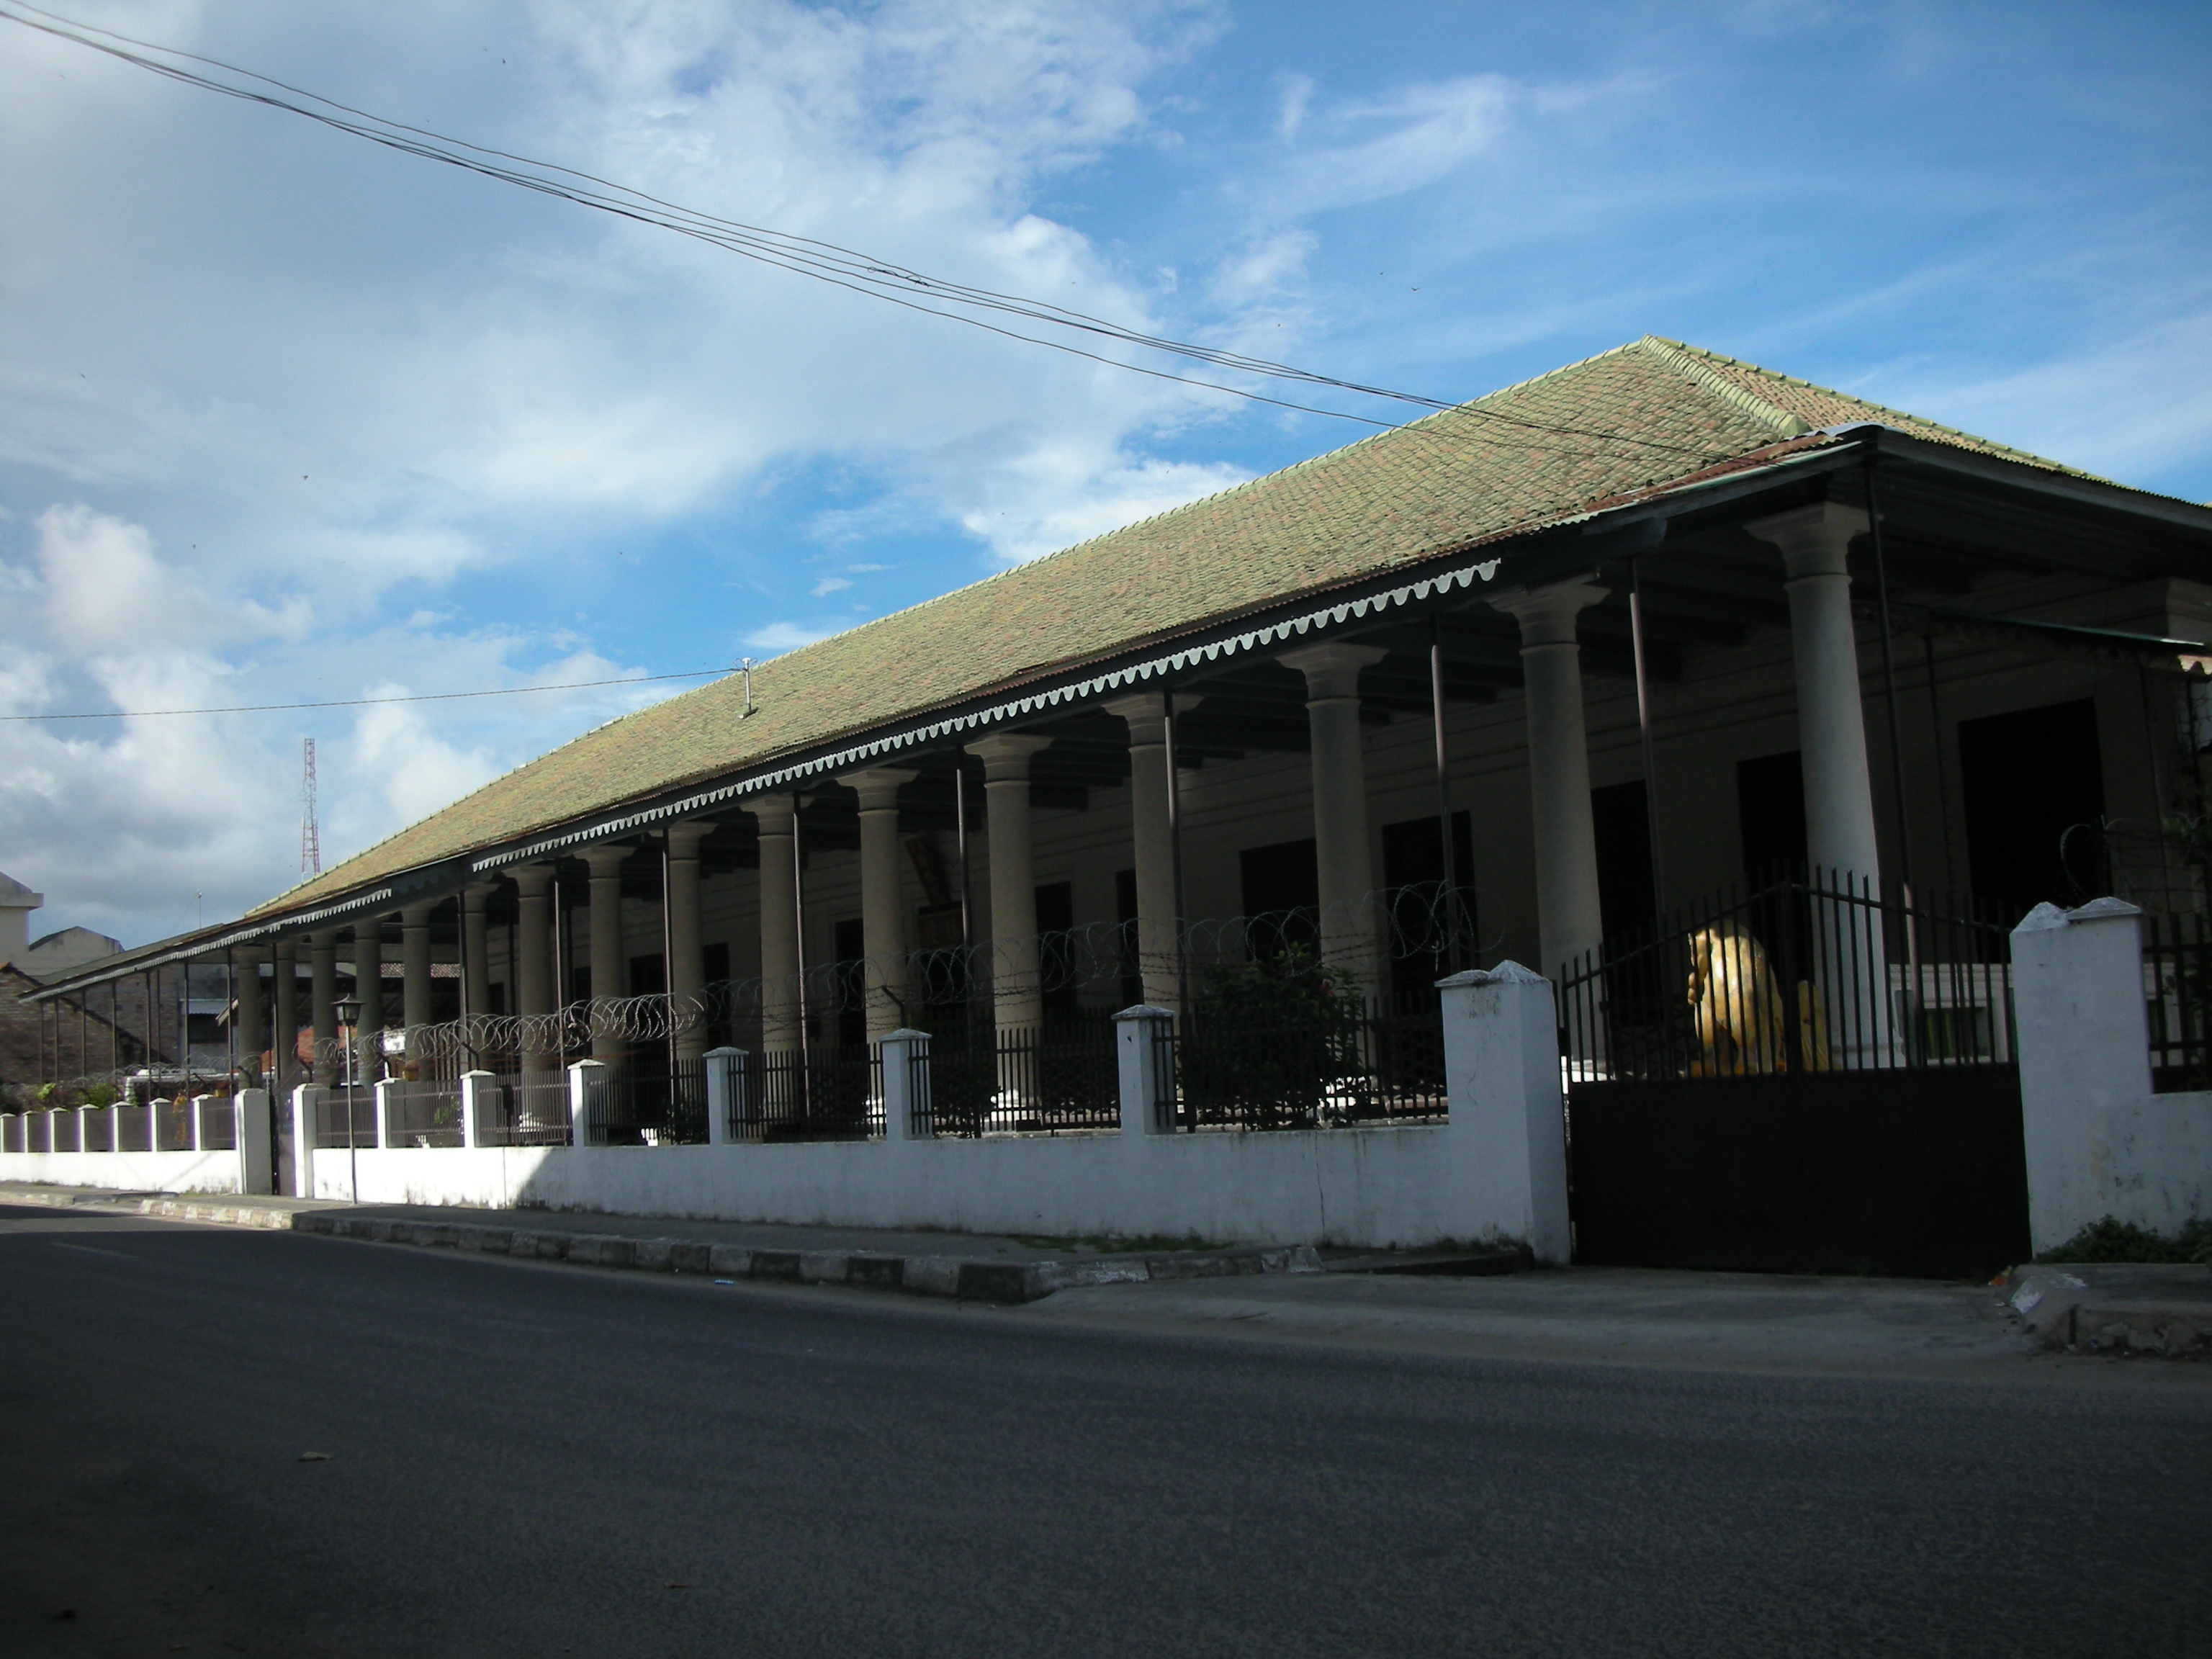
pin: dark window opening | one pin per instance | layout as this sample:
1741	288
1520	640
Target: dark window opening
1281	893
1420	920
848	985
1056	919
2035	806
1626	896
1770	806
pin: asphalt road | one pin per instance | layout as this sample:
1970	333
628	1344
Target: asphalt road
535	1460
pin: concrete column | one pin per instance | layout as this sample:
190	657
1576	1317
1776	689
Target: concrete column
883	906
1146	1077
284	1039
1350	928
687	954
251	1136
1569	922
369	987
1508	1109
776	816
322	1003
476	952
307	1104
587	1104
1017	994
533	963
1154	845
610	970
415	965
246	983
906	1082
725	1097
1839	834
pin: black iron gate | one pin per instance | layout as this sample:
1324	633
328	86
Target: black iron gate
1813	1078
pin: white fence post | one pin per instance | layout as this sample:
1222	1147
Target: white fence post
587	1098
306	1107
2083	1031
1148	1079
250	1135
906	1084
115	1125
725	1087
383	1093
1508	1107
472	1085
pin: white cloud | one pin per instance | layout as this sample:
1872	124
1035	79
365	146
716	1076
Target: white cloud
780	637
2131	407
1058	497
829	585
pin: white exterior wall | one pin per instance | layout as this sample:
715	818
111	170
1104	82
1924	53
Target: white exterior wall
127	1172
1369	1187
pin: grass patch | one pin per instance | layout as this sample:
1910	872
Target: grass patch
2110	1240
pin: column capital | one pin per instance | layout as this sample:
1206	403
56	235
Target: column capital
1546	613
1332	668
532	880
1146	712
685	834
775	814
1006	755
417	915
478	894
1813	539
606	859
878	786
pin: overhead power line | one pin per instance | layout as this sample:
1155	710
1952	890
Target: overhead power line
827	262
360	702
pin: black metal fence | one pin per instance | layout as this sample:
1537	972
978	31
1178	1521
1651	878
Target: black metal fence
1802	975
526	1109
810	1094
346	1117
218	1123
981	1079
2176	952
1322	1068
423	1114
643	1100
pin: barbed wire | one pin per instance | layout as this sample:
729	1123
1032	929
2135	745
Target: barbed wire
1418	922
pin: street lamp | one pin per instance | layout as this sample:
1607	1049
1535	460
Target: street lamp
347	1011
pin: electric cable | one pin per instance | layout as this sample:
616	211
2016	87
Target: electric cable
358	702
823	261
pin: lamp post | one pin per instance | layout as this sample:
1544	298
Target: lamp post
347	1011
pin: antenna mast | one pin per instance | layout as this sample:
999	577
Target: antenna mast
311	836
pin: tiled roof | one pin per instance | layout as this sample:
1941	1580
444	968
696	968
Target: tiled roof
1639	415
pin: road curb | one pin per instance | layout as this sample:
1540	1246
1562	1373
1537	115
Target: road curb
972	1279
2063	1306
968	1278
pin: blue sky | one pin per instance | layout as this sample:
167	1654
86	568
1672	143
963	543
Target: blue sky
284	416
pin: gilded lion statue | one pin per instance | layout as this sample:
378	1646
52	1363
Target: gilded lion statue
1737	1009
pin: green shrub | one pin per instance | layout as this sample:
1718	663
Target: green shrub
2113	1240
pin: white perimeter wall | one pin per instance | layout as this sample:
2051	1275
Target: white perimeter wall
1371	1187
127	1172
